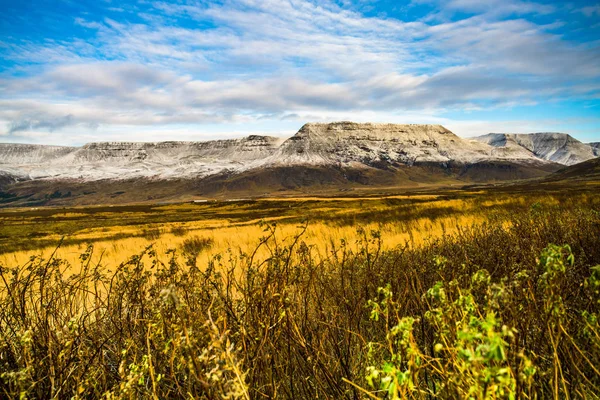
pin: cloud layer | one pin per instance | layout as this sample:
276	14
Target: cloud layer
185	65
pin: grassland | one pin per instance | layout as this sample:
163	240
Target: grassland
458	294
120	231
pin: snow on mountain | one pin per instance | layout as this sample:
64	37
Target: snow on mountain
339	144
13	153
122	160
551	146
351	143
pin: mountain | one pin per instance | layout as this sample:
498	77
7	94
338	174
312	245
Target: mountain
339	144
595	148
551	146
126	160
355	144
319	158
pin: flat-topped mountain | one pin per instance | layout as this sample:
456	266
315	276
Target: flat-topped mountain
338	155
354	144
341	144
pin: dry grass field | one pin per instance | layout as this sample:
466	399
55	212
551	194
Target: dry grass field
235	226
481	294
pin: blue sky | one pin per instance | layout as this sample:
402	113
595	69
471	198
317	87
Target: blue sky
76	71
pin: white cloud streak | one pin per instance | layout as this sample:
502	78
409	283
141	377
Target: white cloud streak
282	59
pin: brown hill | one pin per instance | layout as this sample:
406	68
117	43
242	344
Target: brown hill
585	171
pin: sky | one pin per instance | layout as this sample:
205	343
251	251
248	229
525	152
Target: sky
78	71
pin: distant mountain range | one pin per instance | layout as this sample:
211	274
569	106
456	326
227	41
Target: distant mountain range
335	156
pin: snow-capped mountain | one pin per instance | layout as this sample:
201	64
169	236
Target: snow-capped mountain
125	160
349	143
30	154
560	148
340	144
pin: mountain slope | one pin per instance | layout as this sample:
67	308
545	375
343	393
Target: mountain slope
557	147
20	154
126	160
586	171
281	180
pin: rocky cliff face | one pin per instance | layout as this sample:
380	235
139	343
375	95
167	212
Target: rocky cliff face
341	145
595	148
350	143
550	146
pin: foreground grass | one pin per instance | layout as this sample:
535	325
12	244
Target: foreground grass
488	311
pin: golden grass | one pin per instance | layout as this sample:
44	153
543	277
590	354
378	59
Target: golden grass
236	235
244	237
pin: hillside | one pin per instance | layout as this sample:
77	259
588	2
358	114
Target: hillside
126	160
586	171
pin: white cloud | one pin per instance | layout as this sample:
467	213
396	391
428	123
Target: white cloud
591	11
285	60
490	8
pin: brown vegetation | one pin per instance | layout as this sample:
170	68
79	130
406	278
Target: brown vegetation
489	311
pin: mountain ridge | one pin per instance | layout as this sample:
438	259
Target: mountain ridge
367	154
558	147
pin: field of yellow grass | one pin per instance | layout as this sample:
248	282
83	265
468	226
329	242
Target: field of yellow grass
237	227
243	238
